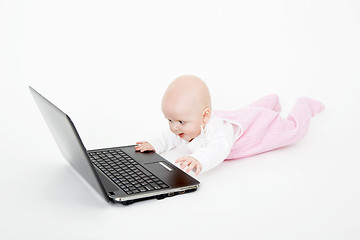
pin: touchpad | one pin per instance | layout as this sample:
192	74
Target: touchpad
158	167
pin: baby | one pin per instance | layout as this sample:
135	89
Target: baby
214	136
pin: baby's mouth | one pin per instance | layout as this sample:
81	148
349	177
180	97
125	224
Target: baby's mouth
181	135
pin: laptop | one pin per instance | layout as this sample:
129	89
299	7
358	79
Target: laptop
118	174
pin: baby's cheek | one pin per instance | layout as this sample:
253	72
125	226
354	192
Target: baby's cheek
195	131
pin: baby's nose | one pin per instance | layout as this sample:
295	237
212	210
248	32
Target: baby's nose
175	126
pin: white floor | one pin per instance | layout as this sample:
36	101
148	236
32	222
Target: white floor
115	59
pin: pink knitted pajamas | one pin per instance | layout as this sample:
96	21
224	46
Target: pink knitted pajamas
263	128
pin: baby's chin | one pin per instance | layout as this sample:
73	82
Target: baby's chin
186	138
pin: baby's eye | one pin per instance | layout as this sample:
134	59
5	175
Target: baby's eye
169	120
181	122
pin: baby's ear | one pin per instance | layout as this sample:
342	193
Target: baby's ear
206	115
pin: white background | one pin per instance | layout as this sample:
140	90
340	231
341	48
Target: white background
106	63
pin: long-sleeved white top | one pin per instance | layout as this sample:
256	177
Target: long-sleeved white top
210	148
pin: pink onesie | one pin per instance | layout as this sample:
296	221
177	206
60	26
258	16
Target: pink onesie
264	130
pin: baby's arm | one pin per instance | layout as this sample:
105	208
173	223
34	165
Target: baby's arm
165	142
219	142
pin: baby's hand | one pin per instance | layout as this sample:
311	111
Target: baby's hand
189	162
144	147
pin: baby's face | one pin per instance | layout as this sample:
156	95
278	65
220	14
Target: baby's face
185	122
186	104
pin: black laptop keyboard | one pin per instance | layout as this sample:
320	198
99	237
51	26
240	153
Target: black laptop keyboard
125	172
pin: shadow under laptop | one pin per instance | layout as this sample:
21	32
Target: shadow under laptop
63	186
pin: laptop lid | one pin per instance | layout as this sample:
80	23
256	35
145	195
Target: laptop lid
68	141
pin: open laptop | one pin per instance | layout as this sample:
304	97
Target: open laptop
119	174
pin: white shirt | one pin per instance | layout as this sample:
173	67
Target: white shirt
210	148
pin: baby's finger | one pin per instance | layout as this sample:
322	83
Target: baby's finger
191	166
198	170
180	160
143	149
185	163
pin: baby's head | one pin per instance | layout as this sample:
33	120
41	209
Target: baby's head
187	106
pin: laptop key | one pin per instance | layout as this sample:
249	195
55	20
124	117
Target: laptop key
148	187
143	170
154	185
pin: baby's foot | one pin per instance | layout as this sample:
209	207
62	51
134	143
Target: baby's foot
315	106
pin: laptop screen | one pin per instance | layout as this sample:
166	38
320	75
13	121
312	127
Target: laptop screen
68	141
